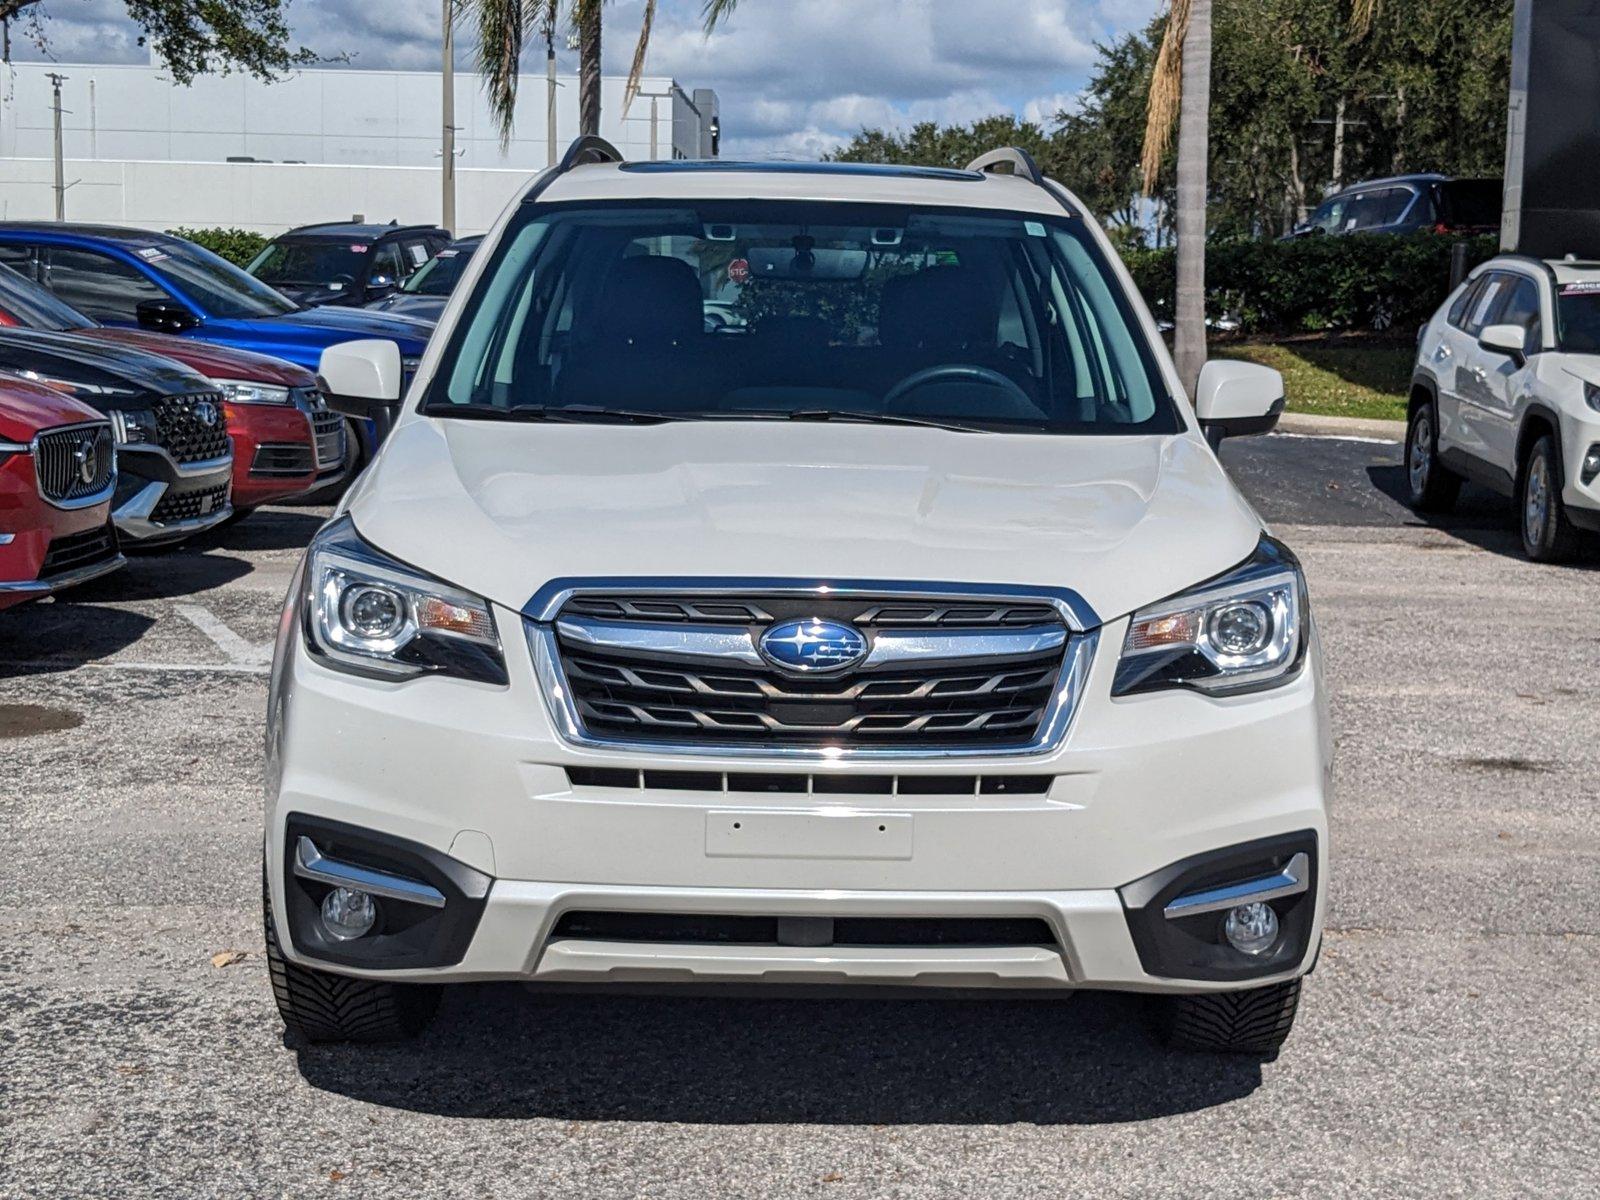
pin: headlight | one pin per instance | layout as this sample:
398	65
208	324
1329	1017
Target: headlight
1591	393
242	391
370	615
1239	632
132	426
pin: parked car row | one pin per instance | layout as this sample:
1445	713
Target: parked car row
150	390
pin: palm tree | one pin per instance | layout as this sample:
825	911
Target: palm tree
503	25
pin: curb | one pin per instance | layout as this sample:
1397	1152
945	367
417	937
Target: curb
1316	425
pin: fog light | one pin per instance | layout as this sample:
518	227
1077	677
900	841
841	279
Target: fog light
1251	928
1591	465
347	914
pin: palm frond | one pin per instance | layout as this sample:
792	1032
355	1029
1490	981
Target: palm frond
636	71
1166	93
1362	16
501	27
714	12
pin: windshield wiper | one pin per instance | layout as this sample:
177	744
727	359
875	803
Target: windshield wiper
866	418
559	413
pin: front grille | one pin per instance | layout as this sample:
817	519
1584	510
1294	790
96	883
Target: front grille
328	429
187	506
666	695
716	929
74	464
183	431
852	784
78	550
282	459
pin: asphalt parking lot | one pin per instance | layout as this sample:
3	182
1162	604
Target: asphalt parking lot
1448	1044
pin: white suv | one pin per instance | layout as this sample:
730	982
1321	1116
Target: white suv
1506	392
904	631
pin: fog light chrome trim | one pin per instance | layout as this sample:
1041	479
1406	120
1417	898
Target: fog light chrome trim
311	863
1290	881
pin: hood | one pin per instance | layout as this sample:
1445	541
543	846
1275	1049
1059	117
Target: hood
361	322
504	508
212	361
26	408
418	308
107	375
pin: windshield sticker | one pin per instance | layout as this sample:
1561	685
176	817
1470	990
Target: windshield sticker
357	248
1585	287
151	254
447	254
1034	228
417	252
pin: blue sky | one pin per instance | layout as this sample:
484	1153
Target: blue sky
795	77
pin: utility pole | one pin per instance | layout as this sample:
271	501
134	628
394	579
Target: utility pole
1338	142
447	204
61	177
550	83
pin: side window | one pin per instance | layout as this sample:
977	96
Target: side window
104	287
386	261
1483	303
20	259
1521	308
1457	315
1392	205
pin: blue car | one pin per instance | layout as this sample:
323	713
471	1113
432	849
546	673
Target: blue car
139	279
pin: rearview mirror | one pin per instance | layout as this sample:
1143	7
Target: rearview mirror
167	316
361	373
1235	399
1510	340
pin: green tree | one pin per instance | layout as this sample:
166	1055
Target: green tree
193	37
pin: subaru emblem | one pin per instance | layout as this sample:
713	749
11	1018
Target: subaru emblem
812	644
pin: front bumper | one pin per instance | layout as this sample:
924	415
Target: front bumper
29	526
477	773
160	501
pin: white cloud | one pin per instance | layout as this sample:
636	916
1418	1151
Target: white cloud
794	77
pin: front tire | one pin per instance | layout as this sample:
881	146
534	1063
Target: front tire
1430	485
1255	1021
1548	535
324	1007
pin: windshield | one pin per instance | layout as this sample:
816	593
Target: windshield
783	309
438	276
1578	317
314	262
32	307
219	288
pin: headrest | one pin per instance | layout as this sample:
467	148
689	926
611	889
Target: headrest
936	308
651	300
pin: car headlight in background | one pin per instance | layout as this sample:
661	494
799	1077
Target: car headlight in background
242	391
133	426
371	615
1239	632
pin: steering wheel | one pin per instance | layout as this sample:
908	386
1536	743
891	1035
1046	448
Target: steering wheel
960	373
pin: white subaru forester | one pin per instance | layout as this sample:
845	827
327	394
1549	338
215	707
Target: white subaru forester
797	575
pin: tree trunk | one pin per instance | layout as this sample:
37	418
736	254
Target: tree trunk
1338	143
1297	189
589	69
1189	324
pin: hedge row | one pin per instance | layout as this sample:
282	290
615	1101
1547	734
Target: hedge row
1315	283
238	246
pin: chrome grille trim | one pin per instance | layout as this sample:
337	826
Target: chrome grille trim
56	465
674	640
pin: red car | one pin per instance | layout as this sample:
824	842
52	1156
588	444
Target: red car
57	473
286	441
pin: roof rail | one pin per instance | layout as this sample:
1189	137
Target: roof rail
1008	160
589	148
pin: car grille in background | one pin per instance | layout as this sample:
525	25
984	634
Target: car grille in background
78	550
182	432
282	459
328	427
186	506
61	455
668	697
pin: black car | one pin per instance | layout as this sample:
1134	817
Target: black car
174	457
346	263
1409	204
423	296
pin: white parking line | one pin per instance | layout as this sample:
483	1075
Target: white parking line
240	652
1339	437
73	664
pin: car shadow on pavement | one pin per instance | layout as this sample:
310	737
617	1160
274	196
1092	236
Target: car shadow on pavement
1480	518
39	639
497	1051
268	529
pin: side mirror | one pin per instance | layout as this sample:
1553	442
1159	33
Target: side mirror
167	316
364	374
1510	340
1236	399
